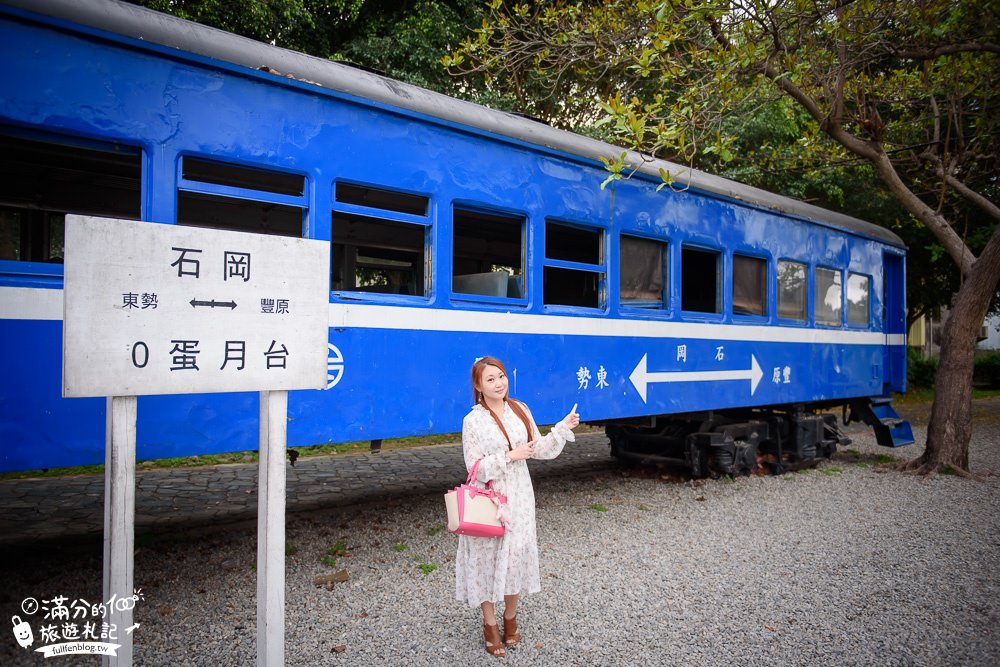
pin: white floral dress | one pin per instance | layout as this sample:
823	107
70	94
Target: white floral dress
486	568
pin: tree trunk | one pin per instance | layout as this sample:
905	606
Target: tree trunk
950	427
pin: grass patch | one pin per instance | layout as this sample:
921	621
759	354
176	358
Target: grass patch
917	396
427	568
248	456
252	456
831	471
400	547
337	550
290	549
883	459
434	530
598	507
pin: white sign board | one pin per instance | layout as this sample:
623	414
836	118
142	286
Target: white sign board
164	309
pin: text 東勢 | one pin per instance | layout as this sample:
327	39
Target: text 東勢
583	378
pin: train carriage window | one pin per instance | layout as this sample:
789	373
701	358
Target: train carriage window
388	200
574	266
239	215
488	255
792	290
749	285
222	173
41	181
377	256
642	272
220	195
700	282
828	297
858	291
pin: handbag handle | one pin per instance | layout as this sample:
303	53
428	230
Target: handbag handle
472	472
471	479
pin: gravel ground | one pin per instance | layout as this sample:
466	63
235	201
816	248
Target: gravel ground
842	565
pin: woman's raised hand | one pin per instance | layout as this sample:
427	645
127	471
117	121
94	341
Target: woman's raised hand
572	420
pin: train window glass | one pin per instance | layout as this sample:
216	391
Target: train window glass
792	290
574	266
377	256
828	297
572	244
196	209
858	290
40	182
488	255
643	272
249	178
749	285
700	280
389	200
566	287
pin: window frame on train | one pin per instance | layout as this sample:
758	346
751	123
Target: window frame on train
235	197
560	271
643	305
764	286
492	282
866	309
819	301
780	291
391	279
43	214
688	279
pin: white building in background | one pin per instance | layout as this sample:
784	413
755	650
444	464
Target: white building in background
991	329
925	334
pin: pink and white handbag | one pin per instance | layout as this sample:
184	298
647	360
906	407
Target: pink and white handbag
475	511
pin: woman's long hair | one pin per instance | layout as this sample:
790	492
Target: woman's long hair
515	406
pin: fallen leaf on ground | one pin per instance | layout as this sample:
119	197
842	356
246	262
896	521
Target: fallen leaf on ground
328	580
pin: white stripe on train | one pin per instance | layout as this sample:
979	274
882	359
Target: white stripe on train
22	303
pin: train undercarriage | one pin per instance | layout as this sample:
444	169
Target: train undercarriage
731	442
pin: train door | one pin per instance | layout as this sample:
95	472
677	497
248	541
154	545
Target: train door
894	321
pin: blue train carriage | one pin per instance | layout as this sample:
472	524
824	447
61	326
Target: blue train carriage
708	325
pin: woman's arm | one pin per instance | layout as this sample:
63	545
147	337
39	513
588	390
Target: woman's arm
493	466
551	445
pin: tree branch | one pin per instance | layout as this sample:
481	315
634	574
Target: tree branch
878	158
961	188
920	53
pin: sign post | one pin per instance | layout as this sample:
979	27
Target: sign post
119	519
163	309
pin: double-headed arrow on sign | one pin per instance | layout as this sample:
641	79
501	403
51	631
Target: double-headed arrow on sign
213	304
640	377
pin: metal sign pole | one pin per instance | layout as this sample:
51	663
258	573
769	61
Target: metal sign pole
271	529
119	524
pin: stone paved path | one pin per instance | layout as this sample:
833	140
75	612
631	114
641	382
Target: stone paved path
64	507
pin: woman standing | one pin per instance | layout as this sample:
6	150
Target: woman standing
501	434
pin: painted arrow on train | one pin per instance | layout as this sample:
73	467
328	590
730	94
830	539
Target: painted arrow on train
640	377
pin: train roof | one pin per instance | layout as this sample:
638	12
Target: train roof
169	31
